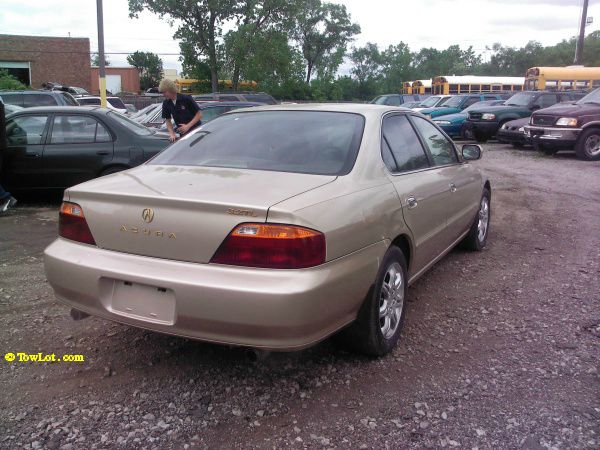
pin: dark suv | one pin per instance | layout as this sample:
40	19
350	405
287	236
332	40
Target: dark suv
27	99
570	126
483	123
256	97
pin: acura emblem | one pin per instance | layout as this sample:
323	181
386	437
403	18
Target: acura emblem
148	215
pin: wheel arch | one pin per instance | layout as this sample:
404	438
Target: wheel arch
404	243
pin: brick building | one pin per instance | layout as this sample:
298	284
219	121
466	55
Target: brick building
39	59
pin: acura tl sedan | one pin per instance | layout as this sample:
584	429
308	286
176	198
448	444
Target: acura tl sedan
273	228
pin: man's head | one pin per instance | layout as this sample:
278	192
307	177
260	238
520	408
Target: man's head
168	88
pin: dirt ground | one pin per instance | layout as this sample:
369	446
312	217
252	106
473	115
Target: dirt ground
501	349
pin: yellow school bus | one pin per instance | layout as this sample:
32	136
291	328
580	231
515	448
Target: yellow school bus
191	86
561	78
407	87
464	84
421	87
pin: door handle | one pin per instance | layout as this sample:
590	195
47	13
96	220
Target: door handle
412	202
452	187
102	152
32	155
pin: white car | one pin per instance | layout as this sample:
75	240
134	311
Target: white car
113	103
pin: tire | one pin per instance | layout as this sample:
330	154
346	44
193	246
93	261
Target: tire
368	334
518	145
475	240
588	145
111	170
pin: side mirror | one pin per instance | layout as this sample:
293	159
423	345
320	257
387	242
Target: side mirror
471	152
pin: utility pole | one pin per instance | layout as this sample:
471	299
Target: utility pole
101	67
579	46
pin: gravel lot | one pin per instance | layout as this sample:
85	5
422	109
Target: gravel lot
501	349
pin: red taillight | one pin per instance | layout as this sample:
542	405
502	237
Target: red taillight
272	246
72	224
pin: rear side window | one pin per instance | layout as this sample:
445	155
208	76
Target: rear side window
312	142
25	130
440	147
401	149
30	100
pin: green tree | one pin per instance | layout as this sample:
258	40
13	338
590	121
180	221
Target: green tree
96	60
200	26
323	30
9	82
396	63
367	68
150	67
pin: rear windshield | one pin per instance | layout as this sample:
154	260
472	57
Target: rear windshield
320	143
89	101
116	103
130	124
260	98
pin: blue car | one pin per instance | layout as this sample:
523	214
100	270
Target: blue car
458	103
452	123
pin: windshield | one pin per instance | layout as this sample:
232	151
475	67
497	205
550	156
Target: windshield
452	102
480	104
520	99
313	142
592	97
130	124
379	100
431	101
116	102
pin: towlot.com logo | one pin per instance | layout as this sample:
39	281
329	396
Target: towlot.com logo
41	357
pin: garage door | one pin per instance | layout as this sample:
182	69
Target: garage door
113	83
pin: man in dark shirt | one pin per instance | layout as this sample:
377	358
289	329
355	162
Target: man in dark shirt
181	108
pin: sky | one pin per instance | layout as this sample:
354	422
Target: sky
421	23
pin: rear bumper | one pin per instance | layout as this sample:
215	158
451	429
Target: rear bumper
269	309
564	138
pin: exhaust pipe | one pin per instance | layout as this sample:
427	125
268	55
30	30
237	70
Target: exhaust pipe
256	354
78	315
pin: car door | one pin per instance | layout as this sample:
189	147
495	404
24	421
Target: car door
77	150
461	180
22	160
422	190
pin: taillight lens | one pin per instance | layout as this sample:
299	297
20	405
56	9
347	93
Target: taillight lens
272	246
72	224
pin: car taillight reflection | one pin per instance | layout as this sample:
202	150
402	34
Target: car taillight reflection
272	246
72	224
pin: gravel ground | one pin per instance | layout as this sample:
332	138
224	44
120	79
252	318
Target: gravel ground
500	349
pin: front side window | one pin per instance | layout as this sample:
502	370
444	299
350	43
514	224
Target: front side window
471	101
25	130
312	142
546	100
401	149
78	130
441	148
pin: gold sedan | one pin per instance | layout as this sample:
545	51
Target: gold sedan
273	228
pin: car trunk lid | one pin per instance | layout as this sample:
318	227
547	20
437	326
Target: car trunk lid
181	213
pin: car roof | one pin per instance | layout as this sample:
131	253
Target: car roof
97	96
69	109
217	104
356	108
31	91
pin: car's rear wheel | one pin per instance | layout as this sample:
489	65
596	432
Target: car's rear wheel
518	145
478	233
381	317
588	145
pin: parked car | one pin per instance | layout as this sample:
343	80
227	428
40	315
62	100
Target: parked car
210	111
114	103
457	103
73	90
453	124
569	126
152	92
146	111
243	96
483	124
431	102
411	104
273	228
57	147
28	99
396	99
513	132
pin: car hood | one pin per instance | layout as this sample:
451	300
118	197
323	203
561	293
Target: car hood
570	110
501	109
193	208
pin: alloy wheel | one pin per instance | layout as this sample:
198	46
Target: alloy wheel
391	300
484	219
